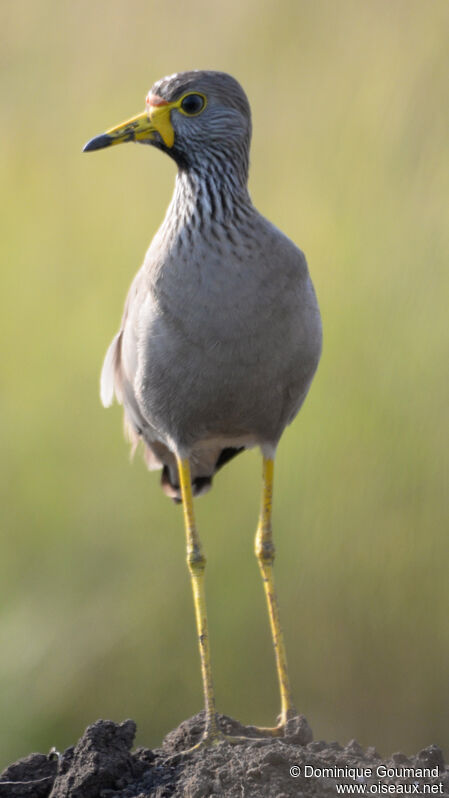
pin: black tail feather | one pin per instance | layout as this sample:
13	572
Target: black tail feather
200	485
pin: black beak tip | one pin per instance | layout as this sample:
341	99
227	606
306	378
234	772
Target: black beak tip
97	143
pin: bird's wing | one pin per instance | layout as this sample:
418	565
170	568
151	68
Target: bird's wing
112	373
110	380
117	374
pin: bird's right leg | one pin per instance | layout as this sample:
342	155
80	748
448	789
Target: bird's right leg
196	562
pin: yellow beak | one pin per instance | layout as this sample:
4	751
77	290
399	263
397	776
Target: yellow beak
156	119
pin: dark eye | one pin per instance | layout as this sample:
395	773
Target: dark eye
192	104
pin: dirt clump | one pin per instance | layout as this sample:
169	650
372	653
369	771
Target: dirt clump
103	765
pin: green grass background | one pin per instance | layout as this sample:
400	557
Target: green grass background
350	158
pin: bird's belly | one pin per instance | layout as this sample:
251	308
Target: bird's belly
191	387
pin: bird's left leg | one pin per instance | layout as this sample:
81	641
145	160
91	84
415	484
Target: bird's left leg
265	551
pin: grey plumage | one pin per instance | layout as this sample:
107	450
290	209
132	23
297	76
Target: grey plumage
221	333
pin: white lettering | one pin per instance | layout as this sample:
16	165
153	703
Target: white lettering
308	771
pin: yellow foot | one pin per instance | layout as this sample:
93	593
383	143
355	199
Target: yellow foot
266	731
284	728
290	725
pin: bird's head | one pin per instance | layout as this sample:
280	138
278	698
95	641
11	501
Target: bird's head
195	117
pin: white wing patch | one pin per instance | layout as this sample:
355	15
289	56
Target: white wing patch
108	384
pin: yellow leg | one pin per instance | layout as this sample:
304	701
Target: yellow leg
265	554
196	562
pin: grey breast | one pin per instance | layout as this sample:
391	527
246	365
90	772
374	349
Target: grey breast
221	337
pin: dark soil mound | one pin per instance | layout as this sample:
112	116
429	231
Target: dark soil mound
102	765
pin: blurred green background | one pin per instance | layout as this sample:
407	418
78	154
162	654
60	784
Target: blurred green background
350	158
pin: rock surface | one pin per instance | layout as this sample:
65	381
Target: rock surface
103	765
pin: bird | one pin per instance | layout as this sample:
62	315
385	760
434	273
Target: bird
221	333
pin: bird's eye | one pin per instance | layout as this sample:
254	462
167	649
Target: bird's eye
193	104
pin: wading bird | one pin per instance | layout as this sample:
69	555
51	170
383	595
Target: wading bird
221	332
